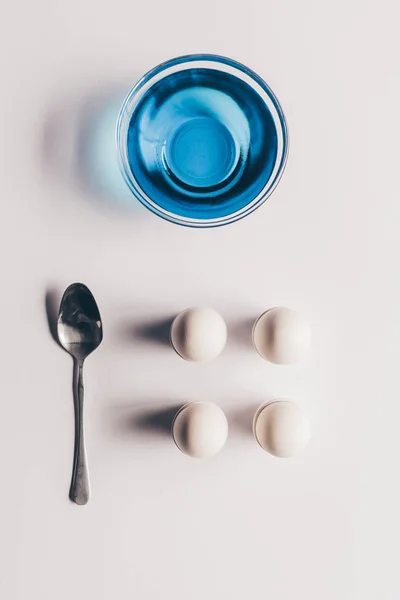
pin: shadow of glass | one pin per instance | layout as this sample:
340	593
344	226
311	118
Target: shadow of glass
79	148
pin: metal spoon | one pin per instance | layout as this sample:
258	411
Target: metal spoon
80	331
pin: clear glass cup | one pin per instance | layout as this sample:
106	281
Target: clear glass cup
202	140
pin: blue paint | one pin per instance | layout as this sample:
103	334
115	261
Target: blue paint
201	144
201	153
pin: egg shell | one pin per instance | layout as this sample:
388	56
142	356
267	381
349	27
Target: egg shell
198	334
281	428
281	336
200	429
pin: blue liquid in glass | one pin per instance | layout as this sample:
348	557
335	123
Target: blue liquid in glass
202	144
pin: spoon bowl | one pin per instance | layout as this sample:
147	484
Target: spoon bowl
79	324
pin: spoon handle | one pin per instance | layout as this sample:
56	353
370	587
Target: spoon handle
80	484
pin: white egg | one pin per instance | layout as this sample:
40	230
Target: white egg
281	428
198	334
200	429
281	336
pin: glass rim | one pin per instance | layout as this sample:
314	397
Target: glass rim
184	63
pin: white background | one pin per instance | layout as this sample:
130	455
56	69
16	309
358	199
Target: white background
242	525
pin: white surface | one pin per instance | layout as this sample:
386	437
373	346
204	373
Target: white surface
159	526
199	334
282	428
200	429
282	336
